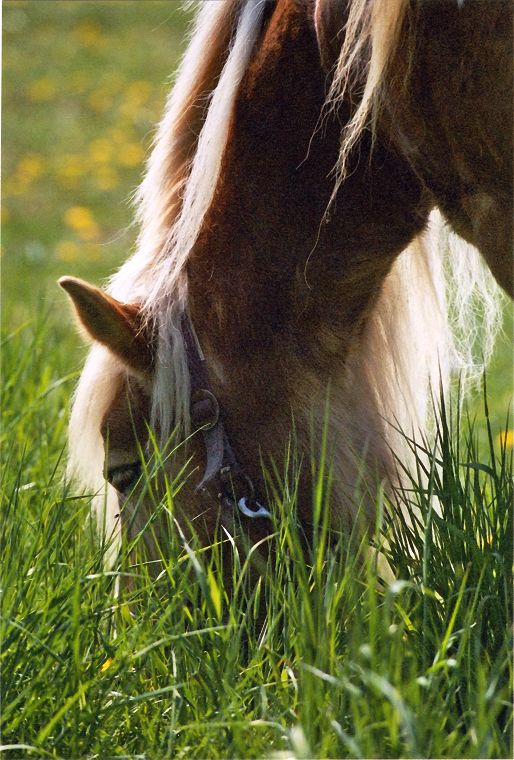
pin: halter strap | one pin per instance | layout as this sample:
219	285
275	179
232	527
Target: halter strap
223	472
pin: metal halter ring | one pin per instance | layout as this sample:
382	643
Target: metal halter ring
243	507
243	501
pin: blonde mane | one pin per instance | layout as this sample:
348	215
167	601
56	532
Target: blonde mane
179	185
454	312
372	33
410	337
176	191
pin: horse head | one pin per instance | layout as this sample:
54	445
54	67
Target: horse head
284	312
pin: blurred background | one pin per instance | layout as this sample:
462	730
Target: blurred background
84	84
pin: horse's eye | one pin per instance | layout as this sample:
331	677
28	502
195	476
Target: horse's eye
123	477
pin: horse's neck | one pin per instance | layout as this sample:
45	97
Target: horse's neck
270	196
269	276
449	107
279	295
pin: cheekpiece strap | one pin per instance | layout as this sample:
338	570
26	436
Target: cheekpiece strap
223	474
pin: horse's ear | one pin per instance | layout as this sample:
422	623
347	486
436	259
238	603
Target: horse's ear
117	325
329	21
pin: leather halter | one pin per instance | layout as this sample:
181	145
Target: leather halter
223	473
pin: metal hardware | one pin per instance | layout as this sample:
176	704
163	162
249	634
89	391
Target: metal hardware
243	507
222	470
227	478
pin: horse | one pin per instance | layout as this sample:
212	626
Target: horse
289	282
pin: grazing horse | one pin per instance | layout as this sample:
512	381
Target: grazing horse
288	286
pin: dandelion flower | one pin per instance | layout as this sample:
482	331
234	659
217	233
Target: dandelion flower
41	90
30	166
107	664
88	33
507	438
101	150
131	154
81	220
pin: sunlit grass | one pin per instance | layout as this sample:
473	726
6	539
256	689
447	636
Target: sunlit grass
311	653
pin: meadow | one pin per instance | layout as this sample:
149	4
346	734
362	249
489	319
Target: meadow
340	663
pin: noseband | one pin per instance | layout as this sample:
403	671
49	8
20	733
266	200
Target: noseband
224	476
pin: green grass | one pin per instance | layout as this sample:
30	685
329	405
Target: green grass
340	664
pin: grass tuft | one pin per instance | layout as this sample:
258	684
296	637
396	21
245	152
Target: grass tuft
312	654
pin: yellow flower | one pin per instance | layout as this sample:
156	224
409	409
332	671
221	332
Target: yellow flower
134	98
70	169
78	217
507	438
107	664
101	150
41	89
138	92
67	250
30	167
130	154
28	170
118	136
81	220
88	33
101	99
